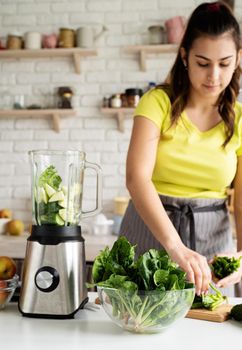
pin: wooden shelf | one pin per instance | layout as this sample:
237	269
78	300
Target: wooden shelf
55	114
74	53
143	50
119	113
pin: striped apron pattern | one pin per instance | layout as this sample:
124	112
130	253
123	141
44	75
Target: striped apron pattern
202	223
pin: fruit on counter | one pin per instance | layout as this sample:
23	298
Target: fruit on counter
51	199
236	312
15	227
7	268
5	213
223	266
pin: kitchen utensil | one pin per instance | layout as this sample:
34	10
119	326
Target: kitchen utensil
86	36
54	270
220	314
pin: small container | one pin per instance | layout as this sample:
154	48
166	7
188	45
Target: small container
66	38
32	40
120	205
124	100
14	42
102	226
116	101
156	35
7	289
106	102
18	102
65	94
133	97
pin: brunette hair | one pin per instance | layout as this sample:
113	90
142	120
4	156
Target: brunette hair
211	19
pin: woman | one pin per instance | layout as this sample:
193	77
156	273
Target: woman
186	150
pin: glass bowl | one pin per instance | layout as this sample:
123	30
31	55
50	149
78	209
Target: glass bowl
145	311
7	288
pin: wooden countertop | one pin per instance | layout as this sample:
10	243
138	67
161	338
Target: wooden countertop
14	246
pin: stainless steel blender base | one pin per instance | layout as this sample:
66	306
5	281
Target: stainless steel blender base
53	282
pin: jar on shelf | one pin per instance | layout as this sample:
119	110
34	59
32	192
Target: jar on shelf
66	38
32	40
65	94
14	42
133	97
124	100
116	101
156	35
106	103
18	102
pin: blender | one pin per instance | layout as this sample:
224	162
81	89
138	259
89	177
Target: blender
54	269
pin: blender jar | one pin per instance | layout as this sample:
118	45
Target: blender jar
57	187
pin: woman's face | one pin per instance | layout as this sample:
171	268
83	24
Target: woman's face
211	64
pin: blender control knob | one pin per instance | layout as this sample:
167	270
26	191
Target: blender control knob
47	279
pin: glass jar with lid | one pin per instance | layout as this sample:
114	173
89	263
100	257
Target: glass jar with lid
133	96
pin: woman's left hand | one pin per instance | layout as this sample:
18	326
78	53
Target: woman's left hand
231	279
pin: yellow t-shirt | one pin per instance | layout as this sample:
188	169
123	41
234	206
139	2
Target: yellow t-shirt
190	163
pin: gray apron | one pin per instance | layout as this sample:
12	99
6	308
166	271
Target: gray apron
202	223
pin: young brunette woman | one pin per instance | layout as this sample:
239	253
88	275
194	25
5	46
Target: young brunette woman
186	150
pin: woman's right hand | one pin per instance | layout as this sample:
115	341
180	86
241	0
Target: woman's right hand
195	265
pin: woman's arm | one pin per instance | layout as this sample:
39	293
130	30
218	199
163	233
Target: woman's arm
236	276
140	164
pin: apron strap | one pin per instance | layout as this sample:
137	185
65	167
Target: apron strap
185	213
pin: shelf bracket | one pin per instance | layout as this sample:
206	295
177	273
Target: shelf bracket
77	63
56	121
120	120
143	60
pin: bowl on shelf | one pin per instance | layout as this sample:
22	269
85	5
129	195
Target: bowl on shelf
7	288
145	311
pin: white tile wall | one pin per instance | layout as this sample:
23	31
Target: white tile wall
110	72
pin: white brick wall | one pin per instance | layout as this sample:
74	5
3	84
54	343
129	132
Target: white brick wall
110	72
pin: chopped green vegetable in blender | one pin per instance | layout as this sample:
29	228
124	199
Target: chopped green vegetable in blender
51	199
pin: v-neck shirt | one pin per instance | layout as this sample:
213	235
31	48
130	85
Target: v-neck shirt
190	163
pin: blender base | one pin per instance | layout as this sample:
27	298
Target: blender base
60	317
